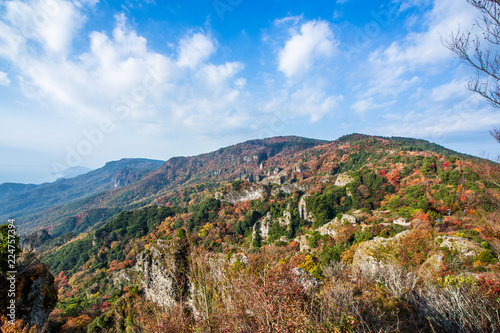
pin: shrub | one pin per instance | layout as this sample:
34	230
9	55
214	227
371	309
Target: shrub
485	257
415	247
457	308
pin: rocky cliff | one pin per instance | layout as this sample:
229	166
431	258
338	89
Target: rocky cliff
36	295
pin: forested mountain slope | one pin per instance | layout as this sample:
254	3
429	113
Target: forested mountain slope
359	234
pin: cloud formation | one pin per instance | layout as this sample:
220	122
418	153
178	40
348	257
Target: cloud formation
4	80
118	77
314	41
194	50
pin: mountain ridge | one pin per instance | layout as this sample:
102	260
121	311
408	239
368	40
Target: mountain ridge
34	199
239	161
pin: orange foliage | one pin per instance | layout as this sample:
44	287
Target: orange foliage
394	176
78	324
415	247
422	216
17	327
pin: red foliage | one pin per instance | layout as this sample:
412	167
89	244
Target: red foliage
489	284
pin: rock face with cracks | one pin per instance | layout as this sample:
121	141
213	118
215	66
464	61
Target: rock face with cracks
343	179
253	192
161	271
36	294
378	249
462	245
164	272
303	212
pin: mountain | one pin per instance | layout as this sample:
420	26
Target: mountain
246	160
72	172
22	201
363	233
225	163
8	189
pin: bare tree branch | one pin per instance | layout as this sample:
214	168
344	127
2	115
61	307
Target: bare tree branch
481	52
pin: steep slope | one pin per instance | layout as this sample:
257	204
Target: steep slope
21	201
227	163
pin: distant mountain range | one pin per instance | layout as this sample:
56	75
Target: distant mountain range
27	200
72	172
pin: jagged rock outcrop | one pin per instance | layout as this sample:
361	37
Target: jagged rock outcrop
163	272
168	273
343	179
300	168
379	249
333	227
286	220
348	218
36	239
303	242
462	245
306	279
262	226
289	188
303	212
122	278
279	177
36	294
252	192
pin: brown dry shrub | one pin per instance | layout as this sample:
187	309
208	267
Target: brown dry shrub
78	324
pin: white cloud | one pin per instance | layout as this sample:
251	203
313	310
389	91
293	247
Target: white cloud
437	125
240	82
4	80
215	75
441	111
369	104
194	50
288	20
50	23
314	103
425	48
412	61
314	42
120	79
308	99
450	91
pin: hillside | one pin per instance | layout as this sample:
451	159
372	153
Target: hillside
240	161
373	233
208	169
28	202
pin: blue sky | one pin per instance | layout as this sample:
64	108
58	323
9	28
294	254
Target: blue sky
86	82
